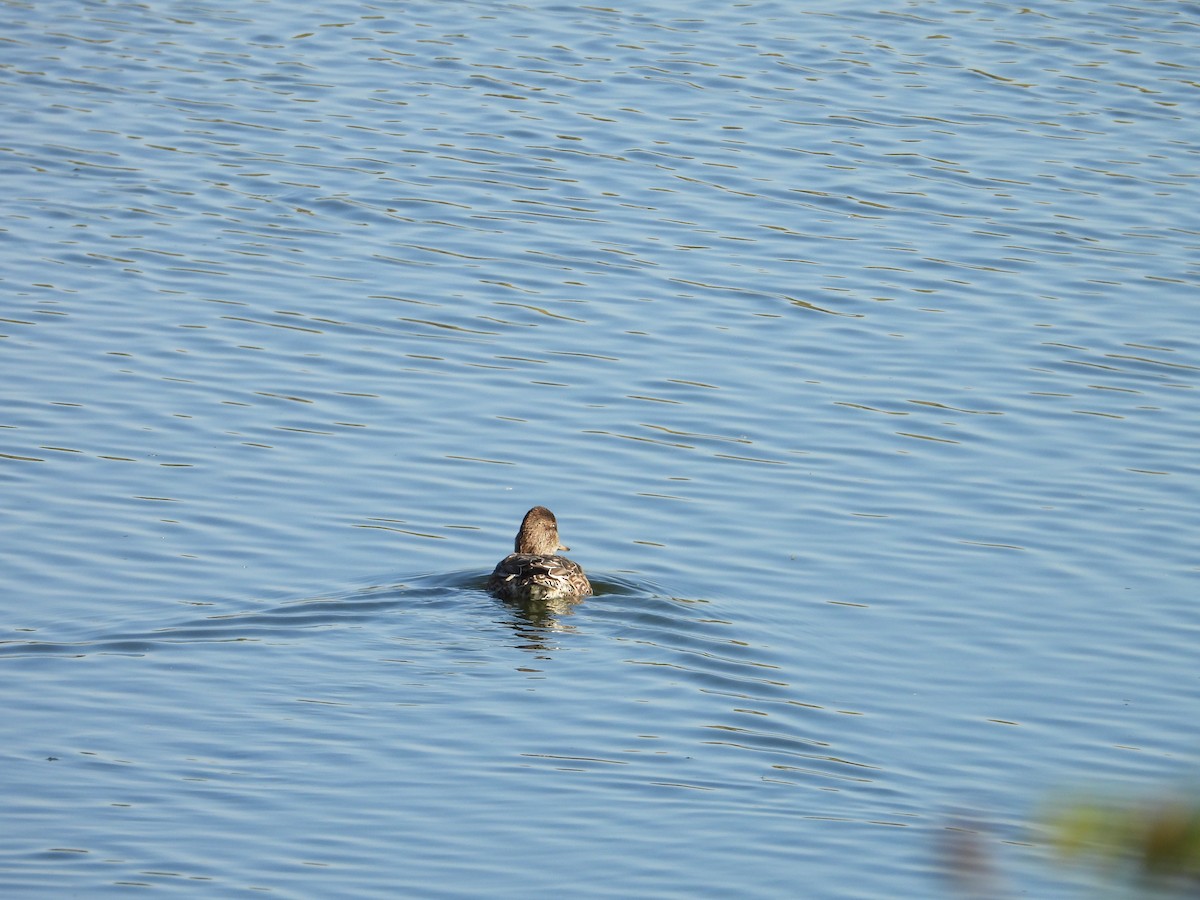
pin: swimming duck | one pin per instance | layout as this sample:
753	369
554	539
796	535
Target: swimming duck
534	570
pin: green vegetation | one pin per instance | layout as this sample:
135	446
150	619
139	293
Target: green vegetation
1154	846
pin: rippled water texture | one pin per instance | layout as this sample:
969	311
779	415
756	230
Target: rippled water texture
855	348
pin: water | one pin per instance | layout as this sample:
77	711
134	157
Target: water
855	349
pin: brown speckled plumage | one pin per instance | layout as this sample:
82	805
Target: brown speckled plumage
534	570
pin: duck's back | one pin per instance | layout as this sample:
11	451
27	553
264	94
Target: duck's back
526	576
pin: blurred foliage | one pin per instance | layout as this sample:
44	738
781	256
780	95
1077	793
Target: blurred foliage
1153	843
1137	847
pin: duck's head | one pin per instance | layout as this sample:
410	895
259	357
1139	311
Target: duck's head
538	535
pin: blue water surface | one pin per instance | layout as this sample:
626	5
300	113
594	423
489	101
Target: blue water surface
855	347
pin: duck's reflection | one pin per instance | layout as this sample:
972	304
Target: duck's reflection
537	622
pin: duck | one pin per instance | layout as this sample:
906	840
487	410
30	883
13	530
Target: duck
534	571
